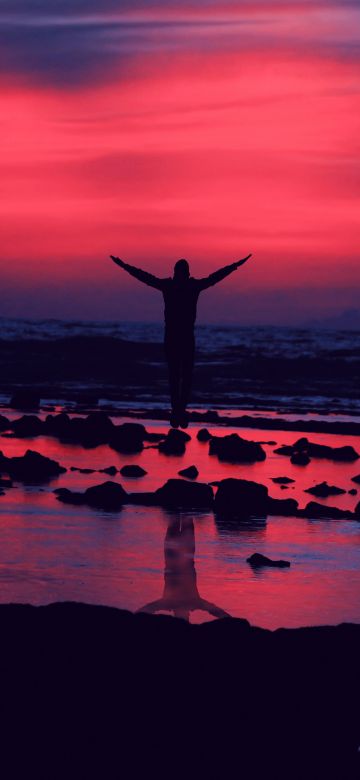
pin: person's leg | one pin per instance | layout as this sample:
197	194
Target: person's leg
187	367
174	369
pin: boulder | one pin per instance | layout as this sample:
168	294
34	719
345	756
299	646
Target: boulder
306	447
186	495
282	480
285	449
352	492
190	472
356	479
324	490
90	431
241	498
128	437
67	496
257	560
143	499
25	399
111	470
300	459
97	429
285	507
58	425
234	449
203	435
314	510
174	442
31	466
82	471
27	426
109	496
132	470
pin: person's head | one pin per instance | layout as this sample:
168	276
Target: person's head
181	270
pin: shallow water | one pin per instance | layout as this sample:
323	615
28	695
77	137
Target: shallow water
50	551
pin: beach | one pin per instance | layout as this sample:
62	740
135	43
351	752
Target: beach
102	525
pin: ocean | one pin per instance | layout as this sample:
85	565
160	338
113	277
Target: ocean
288	369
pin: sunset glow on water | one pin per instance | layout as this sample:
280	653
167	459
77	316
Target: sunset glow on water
53	552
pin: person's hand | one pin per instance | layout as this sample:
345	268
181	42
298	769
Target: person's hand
117	261
241	262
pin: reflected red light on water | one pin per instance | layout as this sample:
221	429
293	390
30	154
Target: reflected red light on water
51	551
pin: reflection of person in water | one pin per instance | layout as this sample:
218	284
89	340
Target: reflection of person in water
181	595
181	292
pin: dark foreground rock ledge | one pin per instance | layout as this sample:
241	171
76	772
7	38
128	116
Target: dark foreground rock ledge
90	691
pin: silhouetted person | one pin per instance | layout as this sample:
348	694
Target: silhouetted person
181	595
181	294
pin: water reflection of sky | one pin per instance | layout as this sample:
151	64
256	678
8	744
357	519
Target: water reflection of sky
49	551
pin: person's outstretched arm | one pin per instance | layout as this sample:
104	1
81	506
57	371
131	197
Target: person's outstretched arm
217	276
142	276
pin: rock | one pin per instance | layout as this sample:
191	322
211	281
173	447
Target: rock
188	495
132	470
257	559
82	471
300	459
203	435
109	496
190	472
174	442
282	480
234	449
112	470
31	466
154	437
312	450
285	507
4	423
143	498
324	490
67	496
284	487
357	511
97	429
285	449
27	426
240	498
320	511
128	437
352	492
25	399
58	425
356	479
90	431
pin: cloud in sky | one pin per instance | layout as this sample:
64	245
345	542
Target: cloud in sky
204	130
69	43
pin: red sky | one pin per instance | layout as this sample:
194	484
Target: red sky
154	134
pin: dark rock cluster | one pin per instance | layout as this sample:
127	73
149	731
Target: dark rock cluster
32	466
234	449
305	449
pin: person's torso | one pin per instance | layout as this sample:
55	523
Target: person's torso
180	303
